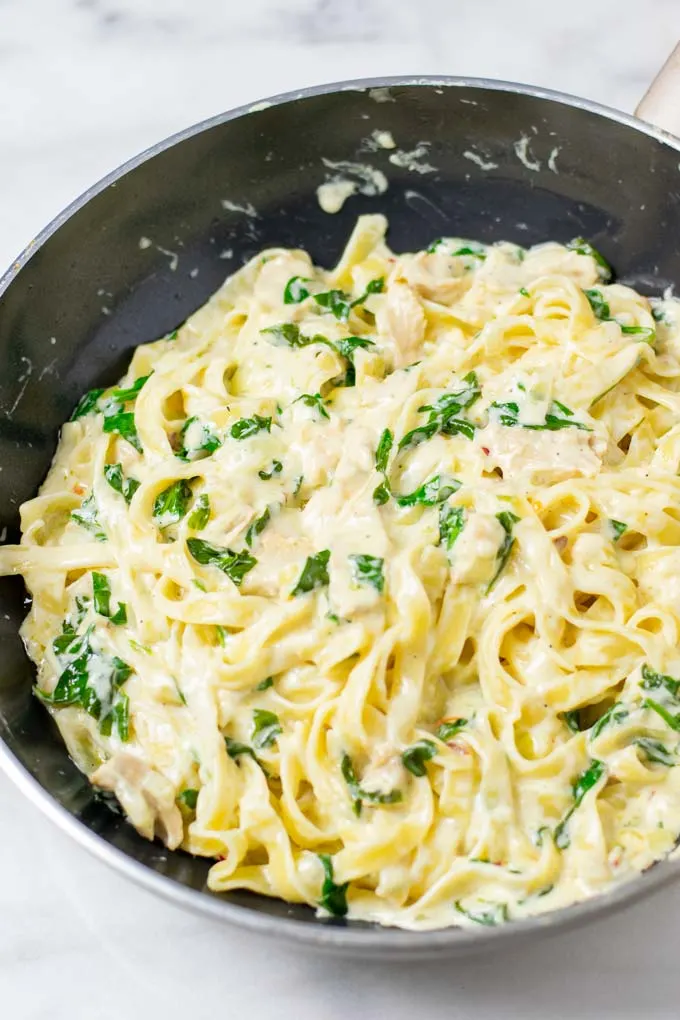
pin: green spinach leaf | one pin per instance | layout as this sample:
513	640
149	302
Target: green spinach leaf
434	490
101	597
655	751
653	681
507	520
235	749
117	420
614	715
381	494
117	718
339	304
266	728
589	778
200	515
314	400
448	729
470	249
368	570
382	452
127	394
258	526
314	573
357	793
87	404
598	304
645	332
122	423
584	782
443	415
92	680
346	348
171	505
189	798
333	897
234	564
376	286
672	720
667	689
275	469
127	487
72	621
602	311
451	523
287	334
414	757
497	914
558	417
87	517
295	290
572	720
336	302
246	427
583	247
619	528
197	440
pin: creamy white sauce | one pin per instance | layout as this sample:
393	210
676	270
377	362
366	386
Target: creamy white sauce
524	154
334	193
351	178
413	160
324	647
247	208
481	161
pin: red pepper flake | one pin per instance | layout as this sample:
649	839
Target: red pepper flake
616	856
458	748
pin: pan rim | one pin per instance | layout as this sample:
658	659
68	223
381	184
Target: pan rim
281	98
387	942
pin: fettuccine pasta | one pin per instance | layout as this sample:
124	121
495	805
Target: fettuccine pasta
366	582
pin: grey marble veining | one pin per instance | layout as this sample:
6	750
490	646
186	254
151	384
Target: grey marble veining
88	83
85	84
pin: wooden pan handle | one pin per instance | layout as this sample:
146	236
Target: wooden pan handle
660	104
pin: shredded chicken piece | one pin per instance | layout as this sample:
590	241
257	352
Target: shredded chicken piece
404	321
553	259
433	276
147	797
385	771
544	456
476	549
276	272
281	554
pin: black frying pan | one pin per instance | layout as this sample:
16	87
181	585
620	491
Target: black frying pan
91	288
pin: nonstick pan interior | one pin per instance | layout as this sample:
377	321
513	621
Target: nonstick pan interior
141	251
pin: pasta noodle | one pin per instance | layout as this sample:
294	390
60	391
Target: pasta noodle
365	582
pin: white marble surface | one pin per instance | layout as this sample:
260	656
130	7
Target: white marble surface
84	85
